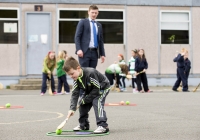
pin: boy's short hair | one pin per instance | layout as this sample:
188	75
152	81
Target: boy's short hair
70	63
93	7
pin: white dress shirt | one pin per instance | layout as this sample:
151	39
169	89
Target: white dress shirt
91	45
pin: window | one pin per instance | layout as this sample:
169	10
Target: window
112	24
8	26
67	31
175	27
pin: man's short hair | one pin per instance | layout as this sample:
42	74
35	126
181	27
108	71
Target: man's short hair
70	63
93	7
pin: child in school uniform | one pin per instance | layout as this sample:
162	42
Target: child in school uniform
187	66
141	66
113	71
181	77
96	87
131	64
47	72
122	75
61	74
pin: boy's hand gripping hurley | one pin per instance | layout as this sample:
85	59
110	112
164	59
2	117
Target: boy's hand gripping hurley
65	121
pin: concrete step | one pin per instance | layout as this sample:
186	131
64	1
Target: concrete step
31	84
30	87
25	87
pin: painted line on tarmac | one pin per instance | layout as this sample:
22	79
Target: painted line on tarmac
60	115
17	95
27	95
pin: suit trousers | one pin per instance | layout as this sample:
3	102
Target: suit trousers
89	59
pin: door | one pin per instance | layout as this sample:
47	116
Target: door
38	41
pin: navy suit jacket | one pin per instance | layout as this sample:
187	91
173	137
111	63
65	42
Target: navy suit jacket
83	35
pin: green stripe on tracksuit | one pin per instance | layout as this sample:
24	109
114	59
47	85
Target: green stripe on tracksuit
98	105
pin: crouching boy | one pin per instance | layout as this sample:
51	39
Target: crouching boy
95	87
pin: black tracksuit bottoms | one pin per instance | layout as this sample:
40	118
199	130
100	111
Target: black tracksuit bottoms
44	82
142	78
181	77
134	81
187	75
112	77
98	105
62	80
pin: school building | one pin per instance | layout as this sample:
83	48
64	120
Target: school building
30	28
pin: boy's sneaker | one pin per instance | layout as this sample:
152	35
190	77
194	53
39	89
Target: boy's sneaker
54	93
42	94
78	128
141	91
101	129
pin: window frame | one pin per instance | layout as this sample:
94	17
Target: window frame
86	9
175	11
13	19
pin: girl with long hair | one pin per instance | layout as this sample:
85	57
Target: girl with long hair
141	66
61	74
49	64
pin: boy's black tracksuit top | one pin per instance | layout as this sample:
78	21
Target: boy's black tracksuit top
92	82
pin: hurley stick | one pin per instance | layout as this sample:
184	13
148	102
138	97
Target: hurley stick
196	88
50	90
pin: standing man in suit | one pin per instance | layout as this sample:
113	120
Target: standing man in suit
89	40
89	47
